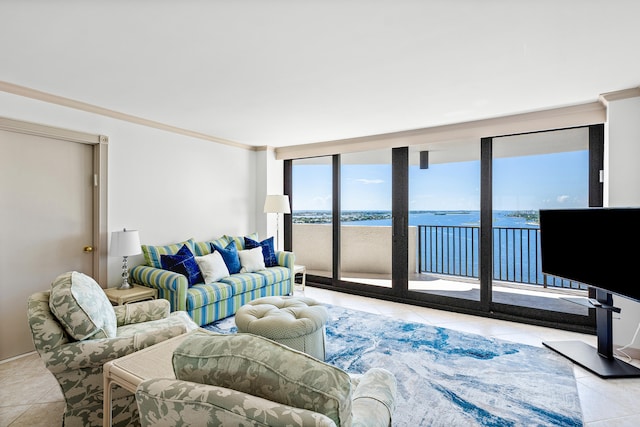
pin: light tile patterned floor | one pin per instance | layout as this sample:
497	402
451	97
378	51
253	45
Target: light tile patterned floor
29	395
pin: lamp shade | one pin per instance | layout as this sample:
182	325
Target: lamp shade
277	203
125	243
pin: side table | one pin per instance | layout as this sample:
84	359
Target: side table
300	269
130	370
134	294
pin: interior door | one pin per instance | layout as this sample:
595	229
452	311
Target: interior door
46	221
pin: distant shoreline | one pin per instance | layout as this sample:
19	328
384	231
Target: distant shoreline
325	217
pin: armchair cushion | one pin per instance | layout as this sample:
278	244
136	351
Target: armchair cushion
286	376
81	306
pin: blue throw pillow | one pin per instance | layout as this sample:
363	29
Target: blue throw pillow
269	254
230	256
183	262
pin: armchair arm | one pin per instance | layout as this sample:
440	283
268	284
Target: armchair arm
95	353
374	399
171	286
187	402
87	354
144	311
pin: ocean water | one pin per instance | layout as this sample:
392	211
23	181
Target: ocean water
516	249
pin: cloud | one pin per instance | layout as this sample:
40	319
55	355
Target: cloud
370	181
562	199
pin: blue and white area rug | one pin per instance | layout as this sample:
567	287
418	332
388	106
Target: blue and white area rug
450	378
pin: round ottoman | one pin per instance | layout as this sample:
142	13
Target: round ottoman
297	322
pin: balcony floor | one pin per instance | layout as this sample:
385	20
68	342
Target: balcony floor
559	300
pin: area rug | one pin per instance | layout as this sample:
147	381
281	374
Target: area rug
450	378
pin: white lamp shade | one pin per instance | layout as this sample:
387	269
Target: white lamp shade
125	243
277	203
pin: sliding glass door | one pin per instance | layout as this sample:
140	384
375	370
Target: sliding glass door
530	172
365	218
450	225
444	219
311	197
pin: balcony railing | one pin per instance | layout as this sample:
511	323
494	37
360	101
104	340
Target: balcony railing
454	250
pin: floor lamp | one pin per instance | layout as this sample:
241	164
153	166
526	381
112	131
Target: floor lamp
277	204
125	243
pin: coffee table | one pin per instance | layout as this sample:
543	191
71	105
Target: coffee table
130	370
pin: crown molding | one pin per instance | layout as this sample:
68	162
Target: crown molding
94	109
618	95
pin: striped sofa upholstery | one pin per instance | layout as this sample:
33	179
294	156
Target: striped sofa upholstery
206	303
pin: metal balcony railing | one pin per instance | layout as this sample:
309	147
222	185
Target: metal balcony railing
454	250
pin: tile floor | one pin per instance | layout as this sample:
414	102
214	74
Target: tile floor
29	395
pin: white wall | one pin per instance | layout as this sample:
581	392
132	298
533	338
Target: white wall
168	186
622	189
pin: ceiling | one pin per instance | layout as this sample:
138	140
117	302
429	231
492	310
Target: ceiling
289	72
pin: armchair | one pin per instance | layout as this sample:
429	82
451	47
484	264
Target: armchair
246	379
77	363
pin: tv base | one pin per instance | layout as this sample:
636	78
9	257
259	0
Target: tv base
588	357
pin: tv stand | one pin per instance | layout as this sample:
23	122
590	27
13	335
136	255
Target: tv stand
601	362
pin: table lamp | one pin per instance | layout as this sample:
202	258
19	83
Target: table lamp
125	243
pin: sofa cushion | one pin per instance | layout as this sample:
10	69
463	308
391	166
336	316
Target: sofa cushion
204	248
275	275
183	262
152	253
285	376
82	307
269	254
204	294
244	282
251	260
239	240
212	267
230	256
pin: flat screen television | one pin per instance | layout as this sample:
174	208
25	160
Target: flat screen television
597	247
594	246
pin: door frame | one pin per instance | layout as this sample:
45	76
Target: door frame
100	144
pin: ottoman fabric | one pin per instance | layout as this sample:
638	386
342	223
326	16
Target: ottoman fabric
297	322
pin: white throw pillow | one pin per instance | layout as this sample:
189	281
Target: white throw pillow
251	260
212	267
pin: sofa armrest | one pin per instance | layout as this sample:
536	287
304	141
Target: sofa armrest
186	402
144	311
171	286
374	398
286	259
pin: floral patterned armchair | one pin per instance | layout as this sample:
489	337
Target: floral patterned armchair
248	380
76	330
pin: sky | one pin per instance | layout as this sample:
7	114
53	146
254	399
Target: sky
558	180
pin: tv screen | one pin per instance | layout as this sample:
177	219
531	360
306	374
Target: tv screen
594	246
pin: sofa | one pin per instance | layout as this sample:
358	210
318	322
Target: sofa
76	331
249	380
213	294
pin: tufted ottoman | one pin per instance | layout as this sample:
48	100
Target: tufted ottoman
297	322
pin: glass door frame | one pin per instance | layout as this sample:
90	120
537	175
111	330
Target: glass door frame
400	211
